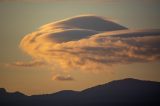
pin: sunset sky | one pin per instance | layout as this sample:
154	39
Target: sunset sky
44	67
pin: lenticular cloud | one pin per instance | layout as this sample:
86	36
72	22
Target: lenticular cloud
91	42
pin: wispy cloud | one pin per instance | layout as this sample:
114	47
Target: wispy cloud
90	42
27	64
62	77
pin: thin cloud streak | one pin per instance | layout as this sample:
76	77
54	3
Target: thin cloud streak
27	64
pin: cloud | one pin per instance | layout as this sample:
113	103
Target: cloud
27	64
62	78
91	42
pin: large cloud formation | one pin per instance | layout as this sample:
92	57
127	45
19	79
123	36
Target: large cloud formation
91	42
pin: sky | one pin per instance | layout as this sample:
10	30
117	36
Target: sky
44	66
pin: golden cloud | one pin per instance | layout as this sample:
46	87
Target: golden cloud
90	42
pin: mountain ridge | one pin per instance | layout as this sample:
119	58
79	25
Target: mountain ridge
127	91
131	79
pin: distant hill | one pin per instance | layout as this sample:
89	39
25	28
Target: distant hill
126	92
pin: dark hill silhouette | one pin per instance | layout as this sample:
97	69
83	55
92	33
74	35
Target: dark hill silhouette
126	92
